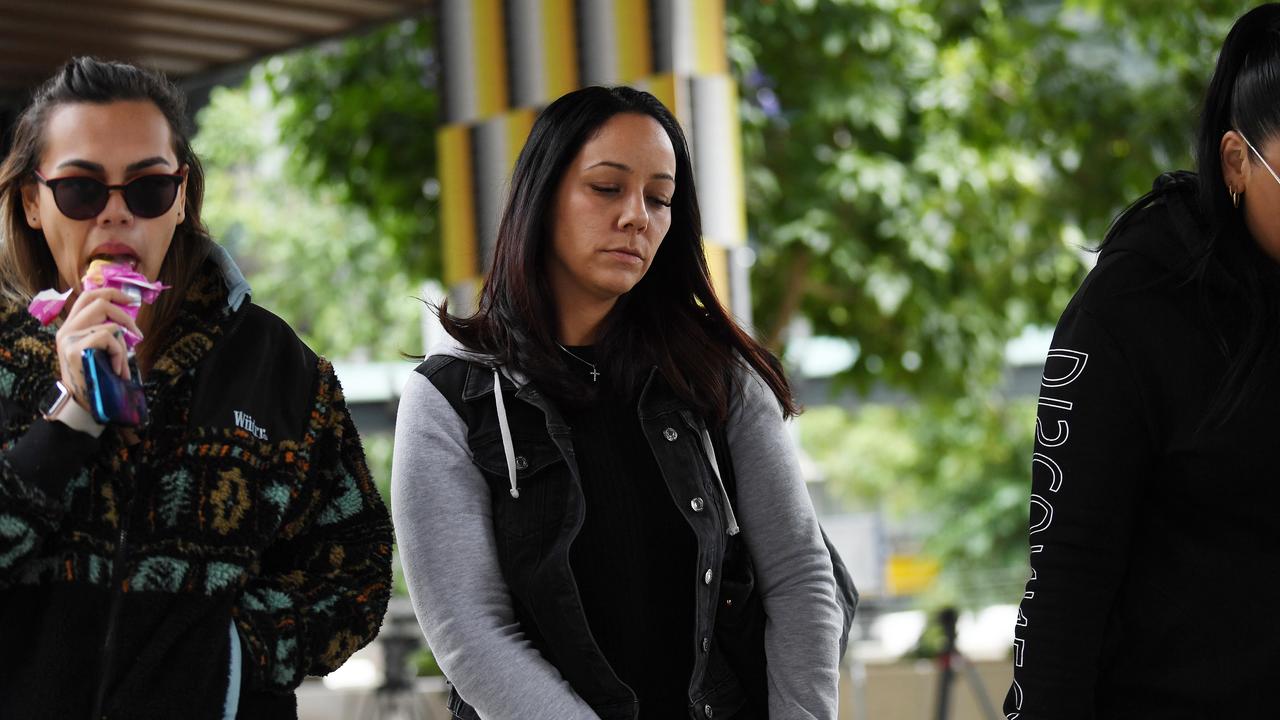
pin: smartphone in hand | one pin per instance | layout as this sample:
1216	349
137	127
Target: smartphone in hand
112	399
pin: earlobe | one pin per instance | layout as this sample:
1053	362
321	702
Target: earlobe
1235	161
31	206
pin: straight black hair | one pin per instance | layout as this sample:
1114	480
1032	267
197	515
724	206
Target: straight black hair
1241	96
671	319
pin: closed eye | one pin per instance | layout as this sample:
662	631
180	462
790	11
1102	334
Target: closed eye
614	190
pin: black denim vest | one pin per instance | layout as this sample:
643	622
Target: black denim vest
534	533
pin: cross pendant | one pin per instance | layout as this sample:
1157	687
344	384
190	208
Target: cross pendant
595	374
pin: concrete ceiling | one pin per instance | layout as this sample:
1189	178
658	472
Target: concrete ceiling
192	41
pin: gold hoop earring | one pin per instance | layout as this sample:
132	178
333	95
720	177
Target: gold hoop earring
1235	199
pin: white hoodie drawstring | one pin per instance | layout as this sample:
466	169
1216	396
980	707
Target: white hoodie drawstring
508	447
715	467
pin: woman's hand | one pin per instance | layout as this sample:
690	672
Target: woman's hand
94	321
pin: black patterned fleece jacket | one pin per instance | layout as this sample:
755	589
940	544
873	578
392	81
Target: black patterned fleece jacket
244	513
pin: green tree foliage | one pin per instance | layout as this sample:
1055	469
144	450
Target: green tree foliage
960	471
923	174
360	116
923	177
318	262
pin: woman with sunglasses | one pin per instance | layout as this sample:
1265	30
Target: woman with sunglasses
599	509
201	562
1153	542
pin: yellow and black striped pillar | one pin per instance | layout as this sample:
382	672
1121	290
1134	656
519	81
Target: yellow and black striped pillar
503	60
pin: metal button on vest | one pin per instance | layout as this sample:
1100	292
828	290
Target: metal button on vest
706	710
706	644
697	504
707	578
670	434
522	463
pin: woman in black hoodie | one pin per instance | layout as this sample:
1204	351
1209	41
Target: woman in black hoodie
1153	492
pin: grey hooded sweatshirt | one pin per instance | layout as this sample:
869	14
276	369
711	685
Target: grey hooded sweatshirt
444	526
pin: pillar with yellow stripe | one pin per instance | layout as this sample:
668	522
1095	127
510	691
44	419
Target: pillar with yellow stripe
503	60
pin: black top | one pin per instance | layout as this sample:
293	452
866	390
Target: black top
1153	539
635	559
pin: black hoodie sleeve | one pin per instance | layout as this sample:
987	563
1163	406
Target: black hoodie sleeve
1093	449
49	454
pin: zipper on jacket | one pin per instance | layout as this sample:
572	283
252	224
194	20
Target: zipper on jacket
113	616
113	609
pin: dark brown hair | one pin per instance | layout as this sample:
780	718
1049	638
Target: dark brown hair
671	318
26	265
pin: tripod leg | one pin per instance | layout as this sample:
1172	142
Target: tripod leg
975	683
857	673
417	712
361	702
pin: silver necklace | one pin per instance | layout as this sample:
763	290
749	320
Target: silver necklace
595	374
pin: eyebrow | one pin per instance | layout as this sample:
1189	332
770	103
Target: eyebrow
133	167
627	168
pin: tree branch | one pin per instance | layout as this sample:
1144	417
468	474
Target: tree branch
792	293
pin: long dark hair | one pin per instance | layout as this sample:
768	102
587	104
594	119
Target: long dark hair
671	319
1241	96
26	265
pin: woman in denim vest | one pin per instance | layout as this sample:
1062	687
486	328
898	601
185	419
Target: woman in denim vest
599	509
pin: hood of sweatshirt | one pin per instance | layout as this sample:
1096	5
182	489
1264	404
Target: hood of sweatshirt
238	289
1165	226
450	347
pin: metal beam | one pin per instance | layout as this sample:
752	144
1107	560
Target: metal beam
108	22
46	40
265	13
